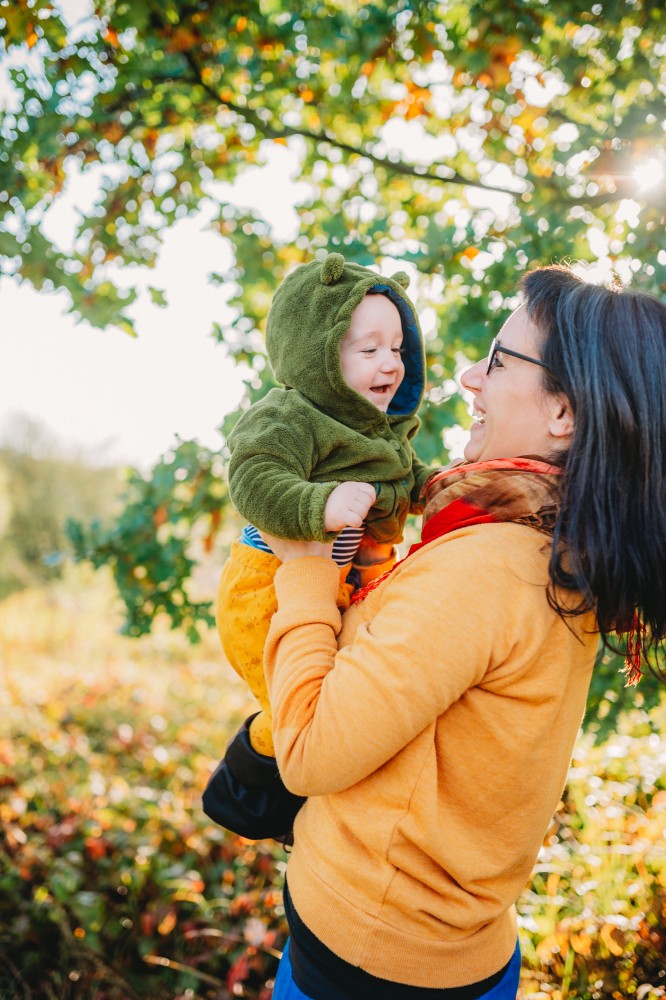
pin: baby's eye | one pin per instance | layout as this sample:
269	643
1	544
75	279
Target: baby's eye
369	350
398	350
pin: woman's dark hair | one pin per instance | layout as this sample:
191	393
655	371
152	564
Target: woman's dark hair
605	348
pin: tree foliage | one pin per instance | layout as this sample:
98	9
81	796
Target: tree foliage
183	497
407	117
468	139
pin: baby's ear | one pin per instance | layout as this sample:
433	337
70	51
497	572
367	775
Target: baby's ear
401	278
331	269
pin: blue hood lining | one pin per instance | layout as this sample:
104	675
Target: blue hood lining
408	396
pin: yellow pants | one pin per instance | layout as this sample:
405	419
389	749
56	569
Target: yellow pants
245	605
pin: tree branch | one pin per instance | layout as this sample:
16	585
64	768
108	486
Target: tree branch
252	117
268	130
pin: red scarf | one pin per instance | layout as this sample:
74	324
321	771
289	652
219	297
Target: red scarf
476	494
520	490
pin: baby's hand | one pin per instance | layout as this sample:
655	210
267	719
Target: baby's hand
347	505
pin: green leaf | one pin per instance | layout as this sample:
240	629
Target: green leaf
157	296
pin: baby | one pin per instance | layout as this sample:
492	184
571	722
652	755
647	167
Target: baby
328	456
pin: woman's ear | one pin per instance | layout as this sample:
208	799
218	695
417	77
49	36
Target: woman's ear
561	418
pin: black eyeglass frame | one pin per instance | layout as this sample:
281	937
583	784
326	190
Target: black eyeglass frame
496	348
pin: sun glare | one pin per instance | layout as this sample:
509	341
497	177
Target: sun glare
649	174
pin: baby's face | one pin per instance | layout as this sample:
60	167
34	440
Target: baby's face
370	351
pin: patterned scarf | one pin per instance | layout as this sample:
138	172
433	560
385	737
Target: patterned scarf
522	490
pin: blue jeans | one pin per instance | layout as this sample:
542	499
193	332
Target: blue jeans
286	989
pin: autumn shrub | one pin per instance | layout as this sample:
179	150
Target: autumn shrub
112	881
594	916
113	884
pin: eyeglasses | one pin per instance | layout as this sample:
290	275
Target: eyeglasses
496	348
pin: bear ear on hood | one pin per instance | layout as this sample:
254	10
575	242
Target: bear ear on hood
401	278
331	269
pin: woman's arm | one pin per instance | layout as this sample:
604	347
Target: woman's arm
340	715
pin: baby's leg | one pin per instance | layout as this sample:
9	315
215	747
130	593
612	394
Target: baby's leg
245	604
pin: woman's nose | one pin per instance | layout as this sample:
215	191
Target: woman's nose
472	377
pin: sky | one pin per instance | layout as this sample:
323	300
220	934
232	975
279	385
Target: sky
111	396
114	397
119	398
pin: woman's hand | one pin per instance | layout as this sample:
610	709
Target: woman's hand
286	549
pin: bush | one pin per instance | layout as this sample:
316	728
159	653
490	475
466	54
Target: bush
113	884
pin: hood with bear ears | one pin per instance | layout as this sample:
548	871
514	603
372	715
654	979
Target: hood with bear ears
310	314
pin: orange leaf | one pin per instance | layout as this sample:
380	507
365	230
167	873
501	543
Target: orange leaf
167	923
32	37
111	37
147	923
581	943
470	253
150	140
96	848
614	939
182	40
160	516
113	132
501	74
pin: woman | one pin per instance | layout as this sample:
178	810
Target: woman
431	729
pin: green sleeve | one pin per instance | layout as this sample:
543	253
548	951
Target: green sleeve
273	455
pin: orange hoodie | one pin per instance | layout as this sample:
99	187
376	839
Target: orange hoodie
432	730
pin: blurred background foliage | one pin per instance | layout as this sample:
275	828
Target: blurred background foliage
41	485
115	886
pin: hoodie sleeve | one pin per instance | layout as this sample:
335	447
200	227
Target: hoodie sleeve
273	454
338	715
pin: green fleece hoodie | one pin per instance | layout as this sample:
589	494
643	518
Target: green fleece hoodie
291	449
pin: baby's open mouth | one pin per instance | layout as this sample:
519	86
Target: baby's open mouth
380	388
